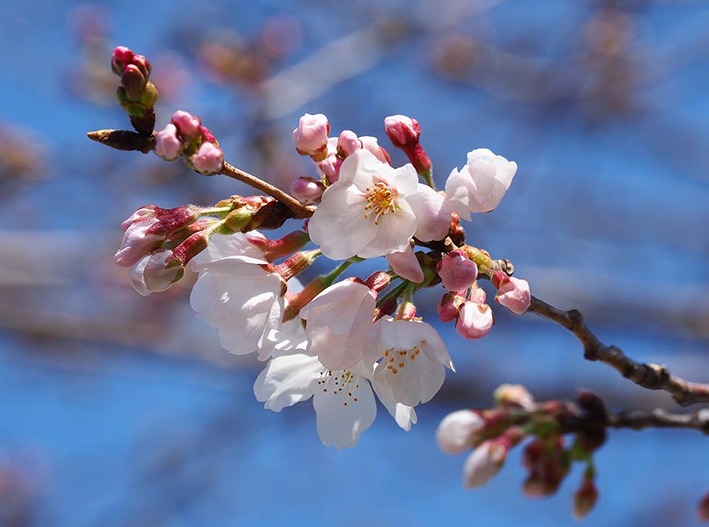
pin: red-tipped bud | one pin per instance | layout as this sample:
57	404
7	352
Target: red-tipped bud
450	305
120	58
378	281
187	125
402	131
512	292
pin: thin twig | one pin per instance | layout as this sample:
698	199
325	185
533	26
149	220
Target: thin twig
638	419
651	376
299	210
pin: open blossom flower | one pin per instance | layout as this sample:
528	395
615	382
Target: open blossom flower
369	210
480	184
413	359
343	399
237	294
338	322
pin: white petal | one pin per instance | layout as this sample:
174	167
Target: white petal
288	379
338	225
433	221
345	408
405	416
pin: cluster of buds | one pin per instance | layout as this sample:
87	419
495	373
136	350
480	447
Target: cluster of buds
312	139
186	136
158	243
136	93
491	433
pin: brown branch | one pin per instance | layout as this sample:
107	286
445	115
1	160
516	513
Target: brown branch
638	419
299	210
650	376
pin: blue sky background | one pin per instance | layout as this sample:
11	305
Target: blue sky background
120	410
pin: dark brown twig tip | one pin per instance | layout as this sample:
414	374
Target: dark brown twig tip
123	140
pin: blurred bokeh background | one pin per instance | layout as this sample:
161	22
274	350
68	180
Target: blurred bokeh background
120	410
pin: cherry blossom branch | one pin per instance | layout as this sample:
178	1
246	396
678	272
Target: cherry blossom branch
299	210
650	376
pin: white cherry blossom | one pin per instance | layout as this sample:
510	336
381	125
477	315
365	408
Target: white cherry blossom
413	359
237	294
343	399
338	322
371	210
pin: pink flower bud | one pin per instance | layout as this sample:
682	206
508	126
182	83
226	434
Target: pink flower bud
348	143
156	272
307	190
208	160
138	241
406	265
402	131
187	125
474	320
330	167
206	134
168	144
459	431
311	136
450	305
485	461
512	292
121	57
457	271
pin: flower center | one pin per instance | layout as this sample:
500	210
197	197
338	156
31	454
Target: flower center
381	200
396	360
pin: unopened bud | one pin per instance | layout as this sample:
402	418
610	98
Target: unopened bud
457	271
371	144
402	131
187	125
156	272
514	395
307	190
378	281
585	497
120	58
311	136
512	292
449	306
474	320
133	81
208	160
168	144
485	461
297	263
459	431
348	143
